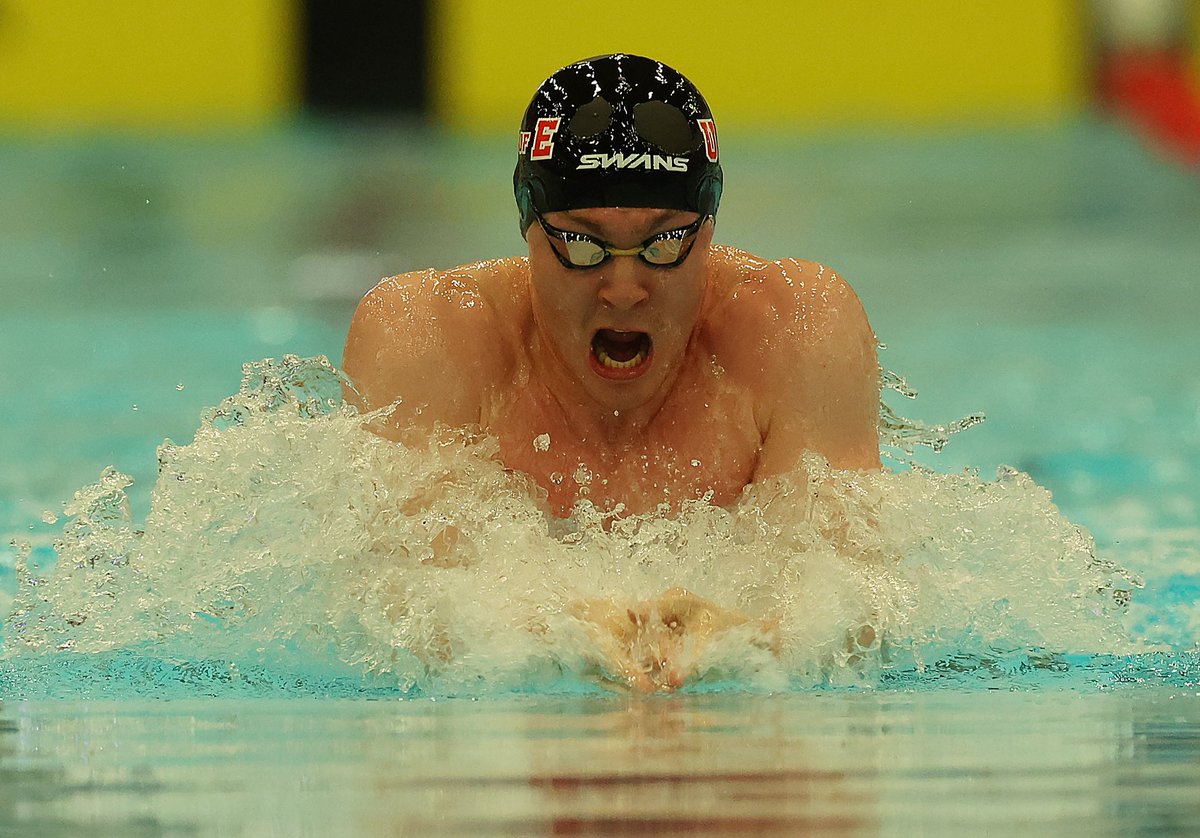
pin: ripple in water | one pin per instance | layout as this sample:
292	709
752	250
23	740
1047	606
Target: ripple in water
287	548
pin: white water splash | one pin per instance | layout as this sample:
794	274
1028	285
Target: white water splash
286	532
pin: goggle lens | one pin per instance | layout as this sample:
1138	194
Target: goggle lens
663	251
583	253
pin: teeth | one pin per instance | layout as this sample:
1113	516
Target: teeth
613	364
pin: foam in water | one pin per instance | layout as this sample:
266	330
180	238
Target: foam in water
286	537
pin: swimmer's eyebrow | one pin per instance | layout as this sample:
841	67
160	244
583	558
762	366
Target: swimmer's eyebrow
655	223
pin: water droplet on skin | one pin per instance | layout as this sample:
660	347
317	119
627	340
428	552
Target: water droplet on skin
135	407
556	477
695	464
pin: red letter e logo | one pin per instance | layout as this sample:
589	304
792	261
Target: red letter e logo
543	138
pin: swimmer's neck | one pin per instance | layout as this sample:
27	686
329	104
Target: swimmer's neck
587	420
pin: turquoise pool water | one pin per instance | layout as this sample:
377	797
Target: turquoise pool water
1046	277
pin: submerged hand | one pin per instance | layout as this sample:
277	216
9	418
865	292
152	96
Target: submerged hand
656	644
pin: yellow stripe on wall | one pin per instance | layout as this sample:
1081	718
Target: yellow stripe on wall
156	63
814	64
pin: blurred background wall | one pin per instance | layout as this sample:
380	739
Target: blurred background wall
188	185
782	65
81	64
471	64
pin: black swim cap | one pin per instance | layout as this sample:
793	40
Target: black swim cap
617	131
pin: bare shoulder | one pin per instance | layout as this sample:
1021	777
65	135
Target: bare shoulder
794	334
769	310
432	341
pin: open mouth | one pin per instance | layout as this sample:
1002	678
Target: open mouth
620	355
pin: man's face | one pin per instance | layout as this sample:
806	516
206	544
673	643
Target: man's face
619	330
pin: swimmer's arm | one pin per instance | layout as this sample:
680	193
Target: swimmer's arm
820	391
423	342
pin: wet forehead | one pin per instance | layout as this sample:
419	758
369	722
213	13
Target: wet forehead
621	222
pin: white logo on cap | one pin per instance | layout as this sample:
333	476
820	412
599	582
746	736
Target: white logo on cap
640	160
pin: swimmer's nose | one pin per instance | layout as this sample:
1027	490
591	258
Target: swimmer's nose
624	284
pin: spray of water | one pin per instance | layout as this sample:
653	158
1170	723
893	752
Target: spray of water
286	536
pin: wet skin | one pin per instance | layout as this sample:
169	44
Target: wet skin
721	371
751	363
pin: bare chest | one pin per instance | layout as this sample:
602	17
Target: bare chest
704	445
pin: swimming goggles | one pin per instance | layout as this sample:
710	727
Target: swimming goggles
662	250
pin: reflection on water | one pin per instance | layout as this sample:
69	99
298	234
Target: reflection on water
846	764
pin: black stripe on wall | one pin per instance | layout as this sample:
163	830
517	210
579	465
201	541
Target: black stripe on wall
366	56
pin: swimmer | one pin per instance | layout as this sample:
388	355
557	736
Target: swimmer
627	360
